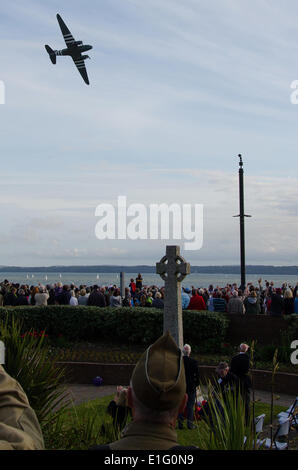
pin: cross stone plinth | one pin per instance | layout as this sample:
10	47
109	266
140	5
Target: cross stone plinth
172	268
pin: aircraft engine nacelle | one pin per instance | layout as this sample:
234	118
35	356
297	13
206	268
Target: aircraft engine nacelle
78	43
85	57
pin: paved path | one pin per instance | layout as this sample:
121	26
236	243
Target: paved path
84	393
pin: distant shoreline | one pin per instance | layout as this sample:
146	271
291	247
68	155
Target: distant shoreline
250	269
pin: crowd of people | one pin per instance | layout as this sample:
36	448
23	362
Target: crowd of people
259	299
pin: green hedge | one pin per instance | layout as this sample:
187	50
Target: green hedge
205	331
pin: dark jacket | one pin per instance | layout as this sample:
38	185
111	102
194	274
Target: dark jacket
229	382
64	297
240	367
288	306
219	304
10	299
157	303
252	305
96	299
277	304
21	300
192	376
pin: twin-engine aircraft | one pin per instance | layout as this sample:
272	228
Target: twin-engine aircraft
74	50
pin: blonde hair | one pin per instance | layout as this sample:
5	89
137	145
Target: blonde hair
288	294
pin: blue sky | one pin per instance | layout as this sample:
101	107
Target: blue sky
178	89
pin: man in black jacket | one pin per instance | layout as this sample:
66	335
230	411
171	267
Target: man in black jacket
240	367
191	367
96	298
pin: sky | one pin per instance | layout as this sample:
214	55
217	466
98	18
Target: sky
178	88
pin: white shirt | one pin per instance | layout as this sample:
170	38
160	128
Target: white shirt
73	301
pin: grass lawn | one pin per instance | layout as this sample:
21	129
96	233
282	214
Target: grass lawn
81	426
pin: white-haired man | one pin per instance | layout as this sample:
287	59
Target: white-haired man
191	367
235	304
240	367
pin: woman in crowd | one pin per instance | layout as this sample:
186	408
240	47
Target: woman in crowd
83	298
197	302
252	304
115	299
73	299
288	302
41	297
277	303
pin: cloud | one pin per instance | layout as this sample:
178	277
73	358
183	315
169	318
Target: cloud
72	220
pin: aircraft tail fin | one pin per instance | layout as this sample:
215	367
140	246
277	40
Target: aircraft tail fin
51	53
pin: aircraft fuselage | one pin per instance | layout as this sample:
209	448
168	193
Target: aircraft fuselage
74	50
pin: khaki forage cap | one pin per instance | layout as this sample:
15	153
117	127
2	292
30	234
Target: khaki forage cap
158	380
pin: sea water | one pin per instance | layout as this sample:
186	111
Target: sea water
105	279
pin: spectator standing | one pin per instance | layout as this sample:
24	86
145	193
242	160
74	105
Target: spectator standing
10	297
139	282
157	302
96	298
192	375
73	299
196	302
235	304
210	304
115	299
126	302
41	298
83	299
240	367
277	303
64	296
132	287
251	304
22	299
288	302
219	303
185	299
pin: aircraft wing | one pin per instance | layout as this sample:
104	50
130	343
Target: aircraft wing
68	37
80	64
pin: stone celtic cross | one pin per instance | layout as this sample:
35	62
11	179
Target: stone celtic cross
172	268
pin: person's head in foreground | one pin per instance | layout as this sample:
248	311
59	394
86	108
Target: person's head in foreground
158	386
156	395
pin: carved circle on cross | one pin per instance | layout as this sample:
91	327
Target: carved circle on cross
182	268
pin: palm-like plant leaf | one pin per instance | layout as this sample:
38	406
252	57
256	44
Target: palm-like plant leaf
27	360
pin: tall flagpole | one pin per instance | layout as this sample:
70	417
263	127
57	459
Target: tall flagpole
241	216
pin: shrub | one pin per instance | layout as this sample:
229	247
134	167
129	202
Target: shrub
225	426
205	331
27	361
